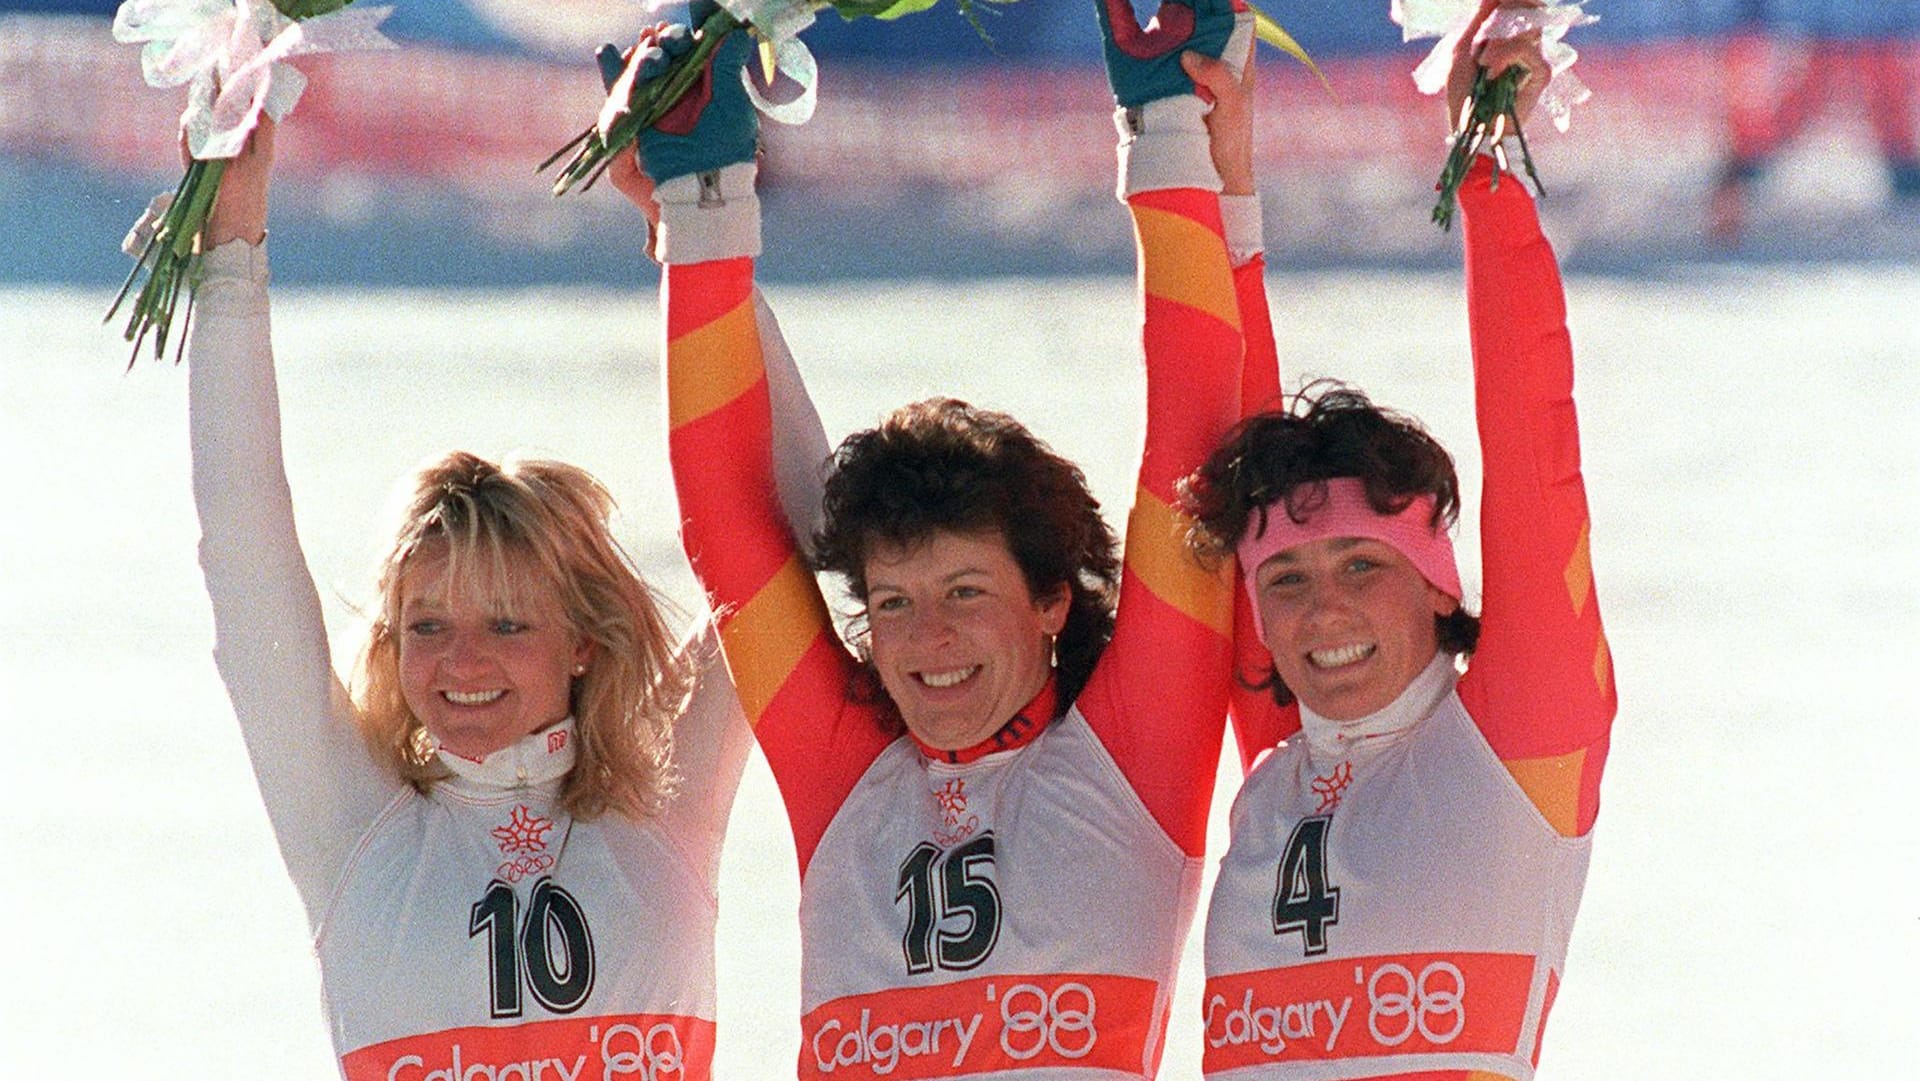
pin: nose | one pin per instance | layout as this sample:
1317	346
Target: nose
465	652
928	625
1324	600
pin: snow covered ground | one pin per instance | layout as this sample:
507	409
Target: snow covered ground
1752	442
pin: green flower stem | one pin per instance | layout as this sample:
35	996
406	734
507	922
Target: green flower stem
1487	113
649	102
169	258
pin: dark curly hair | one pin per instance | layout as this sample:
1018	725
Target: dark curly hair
1283	459
943	465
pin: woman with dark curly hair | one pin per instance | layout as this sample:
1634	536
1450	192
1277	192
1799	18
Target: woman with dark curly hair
999	803
1403	875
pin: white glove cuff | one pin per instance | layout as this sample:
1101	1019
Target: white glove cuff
1164	144
709	216
1244	227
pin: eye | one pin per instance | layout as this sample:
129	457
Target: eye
508	626
965	592
423	627
1285	580
891	602
1362	564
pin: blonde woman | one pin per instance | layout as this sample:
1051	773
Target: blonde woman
506	839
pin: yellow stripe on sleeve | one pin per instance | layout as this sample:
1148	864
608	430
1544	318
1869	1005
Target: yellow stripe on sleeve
775	629
1188	264
1156	551
1553	784
720	361
1579	572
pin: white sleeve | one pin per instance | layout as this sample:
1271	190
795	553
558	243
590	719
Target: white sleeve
710	744
321	787
799	439
711	738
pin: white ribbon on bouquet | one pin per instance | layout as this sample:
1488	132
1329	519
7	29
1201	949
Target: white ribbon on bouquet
778	23
233	54
1448	19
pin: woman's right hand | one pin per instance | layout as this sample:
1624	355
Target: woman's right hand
1475	52
1230	121
240	210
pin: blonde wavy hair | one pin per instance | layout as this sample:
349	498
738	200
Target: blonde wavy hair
535	525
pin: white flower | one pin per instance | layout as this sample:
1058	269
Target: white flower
1448	19
232	52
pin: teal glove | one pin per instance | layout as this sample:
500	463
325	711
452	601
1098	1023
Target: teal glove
714	125
1143	64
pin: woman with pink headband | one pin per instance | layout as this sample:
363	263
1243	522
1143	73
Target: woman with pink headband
1404	870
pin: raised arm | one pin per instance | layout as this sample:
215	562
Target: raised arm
791	672
1158	697
1258	722
320	785
1540	685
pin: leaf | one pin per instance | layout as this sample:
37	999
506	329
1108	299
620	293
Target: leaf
1270	31
904	8
307	9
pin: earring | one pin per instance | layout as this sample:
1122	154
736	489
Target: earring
579	669
1053	651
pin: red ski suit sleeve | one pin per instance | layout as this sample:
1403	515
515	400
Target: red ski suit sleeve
1156	697
1540	684
792	673
1259	722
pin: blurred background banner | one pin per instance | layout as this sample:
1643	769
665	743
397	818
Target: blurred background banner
1719	129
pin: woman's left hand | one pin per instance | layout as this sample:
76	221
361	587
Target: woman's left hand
1230	121
240	210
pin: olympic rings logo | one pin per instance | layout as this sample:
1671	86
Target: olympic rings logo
1054	1021
1420	1000
656	1053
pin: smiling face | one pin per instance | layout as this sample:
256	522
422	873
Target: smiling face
481	667
1349	622
959	641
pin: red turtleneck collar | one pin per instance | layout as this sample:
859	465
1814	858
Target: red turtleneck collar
1018	732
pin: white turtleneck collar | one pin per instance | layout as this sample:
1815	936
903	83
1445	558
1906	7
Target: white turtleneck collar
1331	740
539	758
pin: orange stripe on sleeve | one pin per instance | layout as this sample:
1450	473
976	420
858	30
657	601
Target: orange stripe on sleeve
1553	784
1158	697
1189	264
1540	686
724	356
776	628
1170	572
789	667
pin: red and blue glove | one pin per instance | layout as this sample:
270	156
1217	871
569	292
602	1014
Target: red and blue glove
714	125
1143	63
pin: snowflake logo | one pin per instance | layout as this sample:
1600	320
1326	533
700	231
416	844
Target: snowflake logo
527	832
952	798
1332	786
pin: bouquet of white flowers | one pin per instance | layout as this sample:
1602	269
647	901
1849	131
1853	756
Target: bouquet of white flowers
232	54
1488	116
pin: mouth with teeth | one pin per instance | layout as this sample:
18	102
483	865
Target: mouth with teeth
1341	656
952	677
472	698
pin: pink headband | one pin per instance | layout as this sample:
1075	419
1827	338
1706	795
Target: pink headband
1346	513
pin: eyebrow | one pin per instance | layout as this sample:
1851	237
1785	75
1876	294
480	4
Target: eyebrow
1340	544
945	579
